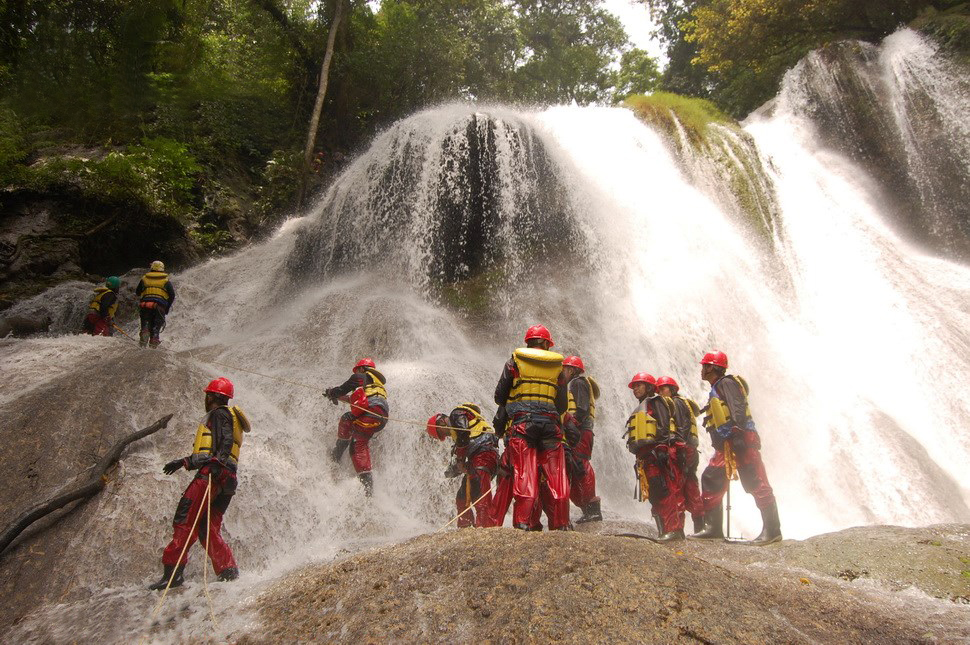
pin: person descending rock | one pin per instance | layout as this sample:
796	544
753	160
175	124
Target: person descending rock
737	445
649	432
577	424
365	392
685	424
529	389
101	311
157	295
476	458
215	455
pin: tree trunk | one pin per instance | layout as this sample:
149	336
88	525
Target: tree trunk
311	137
94	484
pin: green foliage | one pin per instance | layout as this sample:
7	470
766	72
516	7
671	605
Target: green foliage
638	74
661	108
13	145
950	28
278	192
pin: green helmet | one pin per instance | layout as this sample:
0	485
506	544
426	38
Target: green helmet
113	282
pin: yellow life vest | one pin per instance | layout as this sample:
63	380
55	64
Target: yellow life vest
478	425
376	387
203	436
641	425
594	392
718	412
95	305
155	282
692	412
538	377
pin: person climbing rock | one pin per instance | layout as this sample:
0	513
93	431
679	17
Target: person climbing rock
215	455
367	396
101	310
577	424
737	445
685	424
157	295
530	390
649	431
475	458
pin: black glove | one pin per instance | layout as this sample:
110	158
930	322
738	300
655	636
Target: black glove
172	466
662	457
452	470
215	467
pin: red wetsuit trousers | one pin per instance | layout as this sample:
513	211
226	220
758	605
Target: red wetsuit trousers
582	483
476	483
692	488
359	429
502	497
751	470
536	444
194	499
666	488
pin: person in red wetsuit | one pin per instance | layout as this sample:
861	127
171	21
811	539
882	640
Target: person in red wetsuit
101	310
215	455
577	424
365	392
649	433
476	458
529	390
737	444
685	424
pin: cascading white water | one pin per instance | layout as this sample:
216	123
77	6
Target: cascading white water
852	342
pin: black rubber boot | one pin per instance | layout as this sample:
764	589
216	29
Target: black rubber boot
672	536
591	513
772	526
713	525
176	581
229	573
698	520
143	337
339	449
523	527
367	480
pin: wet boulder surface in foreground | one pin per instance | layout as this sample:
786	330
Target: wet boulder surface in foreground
872	584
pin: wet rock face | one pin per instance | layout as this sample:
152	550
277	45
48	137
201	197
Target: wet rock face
506	586
442	198
895	110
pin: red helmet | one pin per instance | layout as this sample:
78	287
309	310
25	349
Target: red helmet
538	331
642	377
435	429
667	380
715	358
574	361
222	386
365	362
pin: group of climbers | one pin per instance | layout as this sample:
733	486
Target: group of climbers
156	295
662	433
546	417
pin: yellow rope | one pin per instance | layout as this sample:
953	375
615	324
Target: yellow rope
208	558
730	462
174	569
455	518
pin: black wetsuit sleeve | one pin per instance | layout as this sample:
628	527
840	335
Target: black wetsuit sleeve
140	287
661	412
579	387
170	288
735	399
504	386
107	300
355	381
682	418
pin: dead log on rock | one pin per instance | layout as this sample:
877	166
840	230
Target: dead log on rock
93	485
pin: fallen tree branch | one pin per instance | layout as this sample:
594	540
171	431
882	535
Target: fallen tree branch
88	489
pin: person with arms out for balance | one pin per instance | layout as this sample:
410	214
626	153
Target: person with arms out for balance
367	396
476	457
215	455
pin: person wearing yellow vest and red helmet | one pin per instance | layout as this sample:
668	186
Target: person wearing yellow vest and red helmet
215	455
733	433
157	295
685	424
367	396
102	308
533	396
476	458
577	424
649	431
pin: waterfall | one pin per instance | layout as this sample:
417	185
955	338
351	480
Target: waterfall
434	250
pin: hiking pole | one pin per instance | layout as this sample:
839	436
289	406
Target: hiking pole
123	333
728	536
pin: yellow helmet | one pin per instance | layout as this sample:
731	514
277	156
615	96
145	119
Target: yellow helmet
158	265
